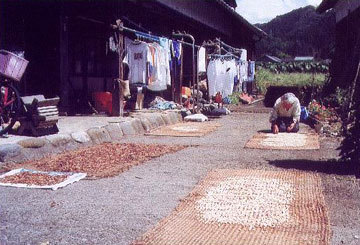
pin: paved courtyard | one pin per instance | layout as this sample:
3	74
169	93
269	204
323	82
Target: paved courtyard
118	210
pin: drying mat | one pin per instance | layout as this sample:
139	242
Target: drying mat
104	160
284	141
188	129
252	108
27	178
247	207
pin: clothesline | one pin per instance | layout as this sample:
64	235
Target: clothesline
222	56
154	37
223	82
227	46
189	44
157	38
230	54
135	24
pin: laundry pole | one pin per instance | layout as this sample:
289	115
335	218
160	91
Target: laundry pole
194	76
118	92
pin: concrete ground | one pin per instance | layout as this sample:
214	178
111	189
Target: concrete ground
82	131
66	125
118	210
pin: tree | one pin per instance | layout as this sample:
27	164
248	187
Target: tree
302	32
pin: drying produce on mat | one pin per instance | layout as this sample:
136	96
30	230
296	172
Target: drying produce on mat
247	207
188	129
284	141
39	179
104	160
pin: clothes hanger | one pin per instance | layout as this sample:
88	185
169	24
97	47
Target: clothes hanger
137	40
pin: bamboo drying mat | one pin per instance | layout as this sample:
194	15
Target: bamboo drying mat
99	161
307	221
284	141
187	129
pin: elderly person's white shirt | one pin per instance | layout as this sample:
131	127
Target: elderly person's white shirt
280	111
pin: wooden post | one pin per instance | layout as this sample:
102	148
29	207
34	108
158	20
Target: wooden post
173	79
181	74
118	94
64	62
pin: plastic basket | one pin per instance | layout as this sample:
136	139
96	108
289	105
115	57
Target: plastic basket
11	65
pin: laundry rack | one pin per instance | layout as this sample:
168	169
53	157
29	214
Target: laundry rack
121	29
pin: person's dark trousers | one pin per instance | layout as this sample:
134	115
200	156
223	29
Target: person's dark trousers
284	122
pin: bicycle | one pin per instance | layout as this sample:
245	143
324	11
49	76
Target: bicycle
12	68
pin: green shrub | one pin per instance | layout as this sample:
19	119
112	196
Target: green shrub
265	78
290	67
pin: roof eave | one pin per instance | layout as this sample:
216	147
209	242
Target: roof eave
326	5
257	31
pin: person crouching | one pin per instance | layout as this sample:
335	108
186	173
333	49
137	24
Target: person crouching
285	115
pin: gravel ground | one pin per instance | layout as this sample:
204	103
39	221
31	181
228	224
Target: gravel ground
118	210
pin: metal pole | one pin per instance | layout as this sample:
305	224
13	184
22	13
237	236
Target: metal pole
151	36
118	93
227	46
194	68
121	70
219	44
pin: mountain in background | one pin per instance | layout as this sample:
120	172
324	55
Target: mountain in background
301	32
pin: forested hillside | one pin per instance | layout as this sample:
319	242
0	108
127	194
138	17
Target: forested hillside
301	32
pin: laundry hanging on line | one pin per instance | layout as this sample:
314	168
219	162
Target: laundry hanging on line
222	75
251	71
149	63
202	59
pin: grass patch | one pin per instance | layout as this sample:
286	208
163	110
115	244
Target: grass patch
266	78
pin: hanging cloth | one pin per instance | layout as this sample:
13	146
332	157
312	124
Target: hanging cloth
243	71
221	76
211	75
138	57
202	59
161	65
166	45
243	56
251	70
176	51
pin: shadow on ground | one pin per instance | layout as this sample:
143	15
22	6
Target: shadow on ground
266	131
327	167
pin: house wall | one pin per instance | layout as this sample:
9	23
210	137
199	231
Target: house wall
345	60
344	8
65	41
33	28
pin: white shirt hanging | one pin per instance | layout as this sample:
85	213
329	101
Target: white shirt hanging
202	60
211	75
221	76
137	57
161	69
243	56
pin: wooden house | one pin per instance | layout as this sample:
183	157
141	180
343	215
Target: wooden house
346	59
66	41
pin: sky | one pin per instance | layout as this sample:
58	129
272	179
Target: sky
262	11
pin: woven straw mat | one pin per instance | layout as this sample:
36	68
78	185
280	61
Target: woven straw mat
284	141
247	207
187	129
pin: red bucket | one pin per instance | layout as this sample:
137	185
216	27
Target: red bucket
103	101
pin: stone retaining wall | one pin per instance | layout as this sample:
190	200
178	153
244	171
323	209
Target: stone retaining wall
137	124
